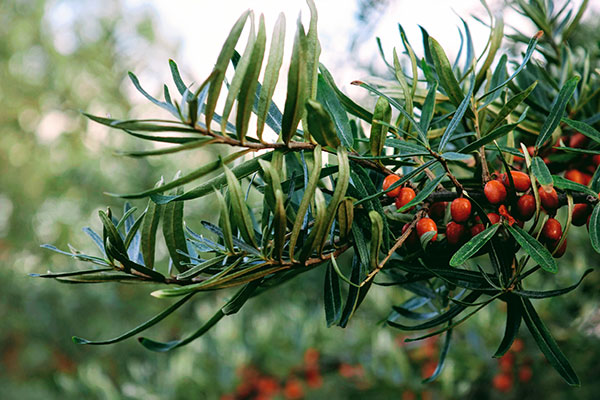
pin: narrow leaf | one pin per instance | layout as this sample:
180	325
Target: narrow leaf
473	245
535	249
557	111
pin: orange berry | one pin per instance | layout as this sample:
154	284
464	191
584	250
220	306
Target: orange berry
549	199
477	229
502	210
561	250
293	389
495	192
596	159
389	181
580	214
520	179
438	209
577	140
404	197
517	346
525	373
506	362
493	217
552	230
426	225
575	176
313	378
502	382
526	207
311	356
460	209
454	232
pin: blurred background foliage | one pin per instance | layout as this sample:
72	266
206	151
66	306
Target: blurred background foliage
59	57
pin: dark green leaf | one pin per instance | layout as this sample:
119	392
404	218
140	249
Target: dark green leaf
472	246
547	344
534	294
513	322
326	95
595	228
332	297
297	87
442	359
458	116
566	184
557	111
540	171
535	249
423	193
584	128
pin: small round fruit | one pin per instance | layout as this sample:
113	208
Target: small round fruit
493	217
454	232
575	176
526	207
502	382
577	140
426	225
561	250
477	229
405	196
525	373
495	192
552	230
549	199
596	159
389	181
460	209
580	214
438	210
520	179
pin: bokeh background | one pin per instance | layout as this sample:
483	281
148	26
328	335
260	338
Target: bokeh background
58	57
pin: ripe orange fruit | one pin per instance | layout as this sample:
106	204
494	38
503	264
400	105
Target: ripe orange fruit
580	214
525	373
520	179
502	382
495	192
575	176
293	389
596	159
404	197
577	140
454	232
412	238
549	199
389	181
493	217
460	209
526	207
552	230
426	225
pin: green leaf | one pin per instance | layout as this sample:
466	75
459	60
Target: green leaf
66	274
169	150
513	322
149	228
225	55
181	87
332	297
307	197
112	233
225	223
456	119
547	344
495	40
169	107
327	96
442	359
151	322
556	113
320	125
249	82
566	184
240	171
445	73
383	112
509	107
535	249
541	171
199	268
472	246
535	294
376	237
428	110
297	87
241	217
595	228
348	104
173	233
423	193
528	54
495	134
280	223
192	176
271	74
584	128
231	307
